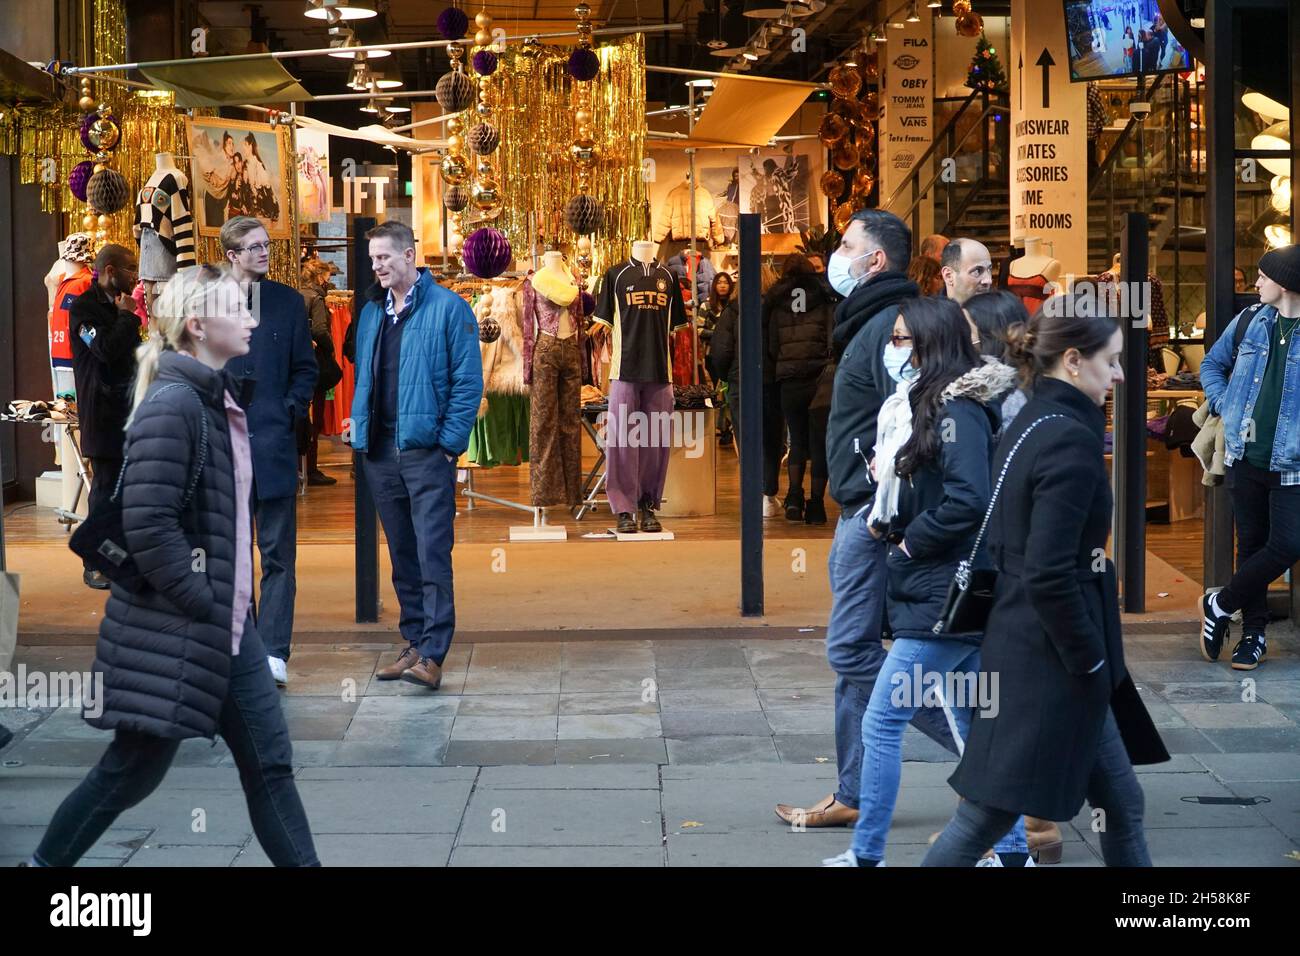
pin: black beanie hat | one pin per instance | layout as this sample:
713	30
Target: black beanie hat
1282	265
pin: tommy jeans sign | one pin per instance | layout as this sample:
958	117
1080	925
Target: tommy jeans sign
907	100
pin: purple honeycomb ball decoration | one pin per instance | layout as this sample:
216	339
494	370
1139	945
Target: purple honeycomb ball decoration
485	62
584	65
588	304
88	121
452	23
486	253
79	177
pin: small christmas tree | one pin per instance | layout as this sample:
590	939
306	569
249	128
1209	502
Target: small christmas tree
985	68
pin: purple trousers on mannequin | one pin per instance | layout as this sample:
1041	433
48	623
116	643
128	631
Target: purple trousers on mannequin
638	435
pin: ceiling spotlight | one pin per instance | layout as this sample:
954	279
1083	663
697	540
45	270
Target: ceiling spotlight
701	81
371	107
787	20
391	107
850	59
335	10
897	24
913	15
360	76
934	4
750	55
379	82
760	45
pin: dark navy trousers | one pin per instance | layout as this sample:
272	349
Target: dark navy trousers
415	493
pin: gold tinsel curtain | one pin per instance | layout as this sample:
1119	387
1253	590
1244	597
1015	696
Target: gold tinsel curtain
150	124
534	115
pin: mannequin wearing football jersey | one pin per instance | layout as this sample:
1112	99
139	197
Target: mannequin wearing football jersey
641	301
553	372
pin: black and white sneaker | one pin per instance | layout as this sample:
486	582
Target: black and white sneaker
1214	628
1249	653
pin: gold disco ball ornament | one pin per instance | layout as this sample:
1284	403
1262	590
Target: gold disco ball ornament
584	153
455	169
487	195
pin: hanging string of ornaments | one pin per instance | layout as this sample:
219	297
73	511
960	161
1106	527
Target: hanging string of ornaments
486	252
103	189
583	213
849	131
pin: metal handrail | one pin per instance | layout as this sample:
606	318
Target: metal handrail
924	191
938	139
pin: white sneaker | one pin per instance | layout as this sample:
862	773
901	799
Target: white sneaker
845	859
772	507
279	671
993	860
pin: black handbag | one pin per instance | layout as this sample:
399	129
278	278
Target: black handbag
970	595
100	540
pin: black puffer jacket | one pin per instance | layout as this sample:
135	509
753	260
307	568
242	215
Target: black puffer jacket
165	653
799	314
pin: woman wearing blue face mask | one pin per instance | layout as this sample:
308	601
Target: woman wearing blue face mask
935	442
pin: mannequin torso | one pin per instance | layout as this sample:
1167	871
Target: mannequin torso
555	283
1035	263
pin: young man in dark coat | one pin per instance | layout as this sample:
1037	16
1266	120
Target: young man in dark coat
868	269
104	334
283	365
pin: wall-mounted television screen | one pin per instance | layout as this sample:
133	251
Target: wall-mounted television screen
1110	38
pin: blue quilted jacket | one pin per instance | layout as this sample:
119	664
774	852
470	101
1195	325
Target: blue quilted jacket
439	373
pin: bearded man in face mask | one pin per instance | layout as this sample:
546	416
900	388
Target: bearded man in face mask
104	332
869	270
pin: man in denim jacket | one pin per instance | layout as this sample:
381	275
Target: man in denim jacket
1258	398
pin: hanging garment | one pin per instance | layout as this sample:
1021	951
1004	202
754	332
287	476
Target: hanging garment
339	407
683	340
675	216
1032	292
1159	328
163	207
500	434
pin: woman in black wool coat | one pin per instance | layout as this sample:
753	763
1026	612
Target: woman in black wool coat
182	657
1069	723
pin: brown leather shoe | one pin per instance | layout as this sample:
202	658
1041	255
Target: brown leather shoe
1044	839
826	813
394	670
425	673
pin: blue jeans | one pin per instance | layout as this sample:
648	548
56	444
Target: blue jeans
251	723
855	651
894	701
415	494
1112	787
277	542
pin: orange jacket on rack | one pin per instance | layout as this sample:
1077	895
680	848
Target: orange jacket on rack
674	221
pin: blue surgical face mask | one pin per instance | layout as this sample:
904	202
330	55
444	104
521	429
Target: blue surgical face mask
839	272
898	362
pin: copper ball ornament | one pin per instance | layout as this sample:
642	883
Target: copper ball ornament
833	129
845	156
489	330
455	169
843	214
845	81
832	184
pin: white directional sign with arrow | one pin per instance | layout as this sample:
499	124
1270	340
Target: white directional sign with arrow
1049	137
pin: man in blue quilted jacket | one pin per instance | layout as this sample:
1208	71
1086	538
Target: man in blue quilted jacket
419	379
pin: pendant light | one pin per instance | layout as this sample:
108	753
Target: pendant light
1275	137
336	10
913	15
